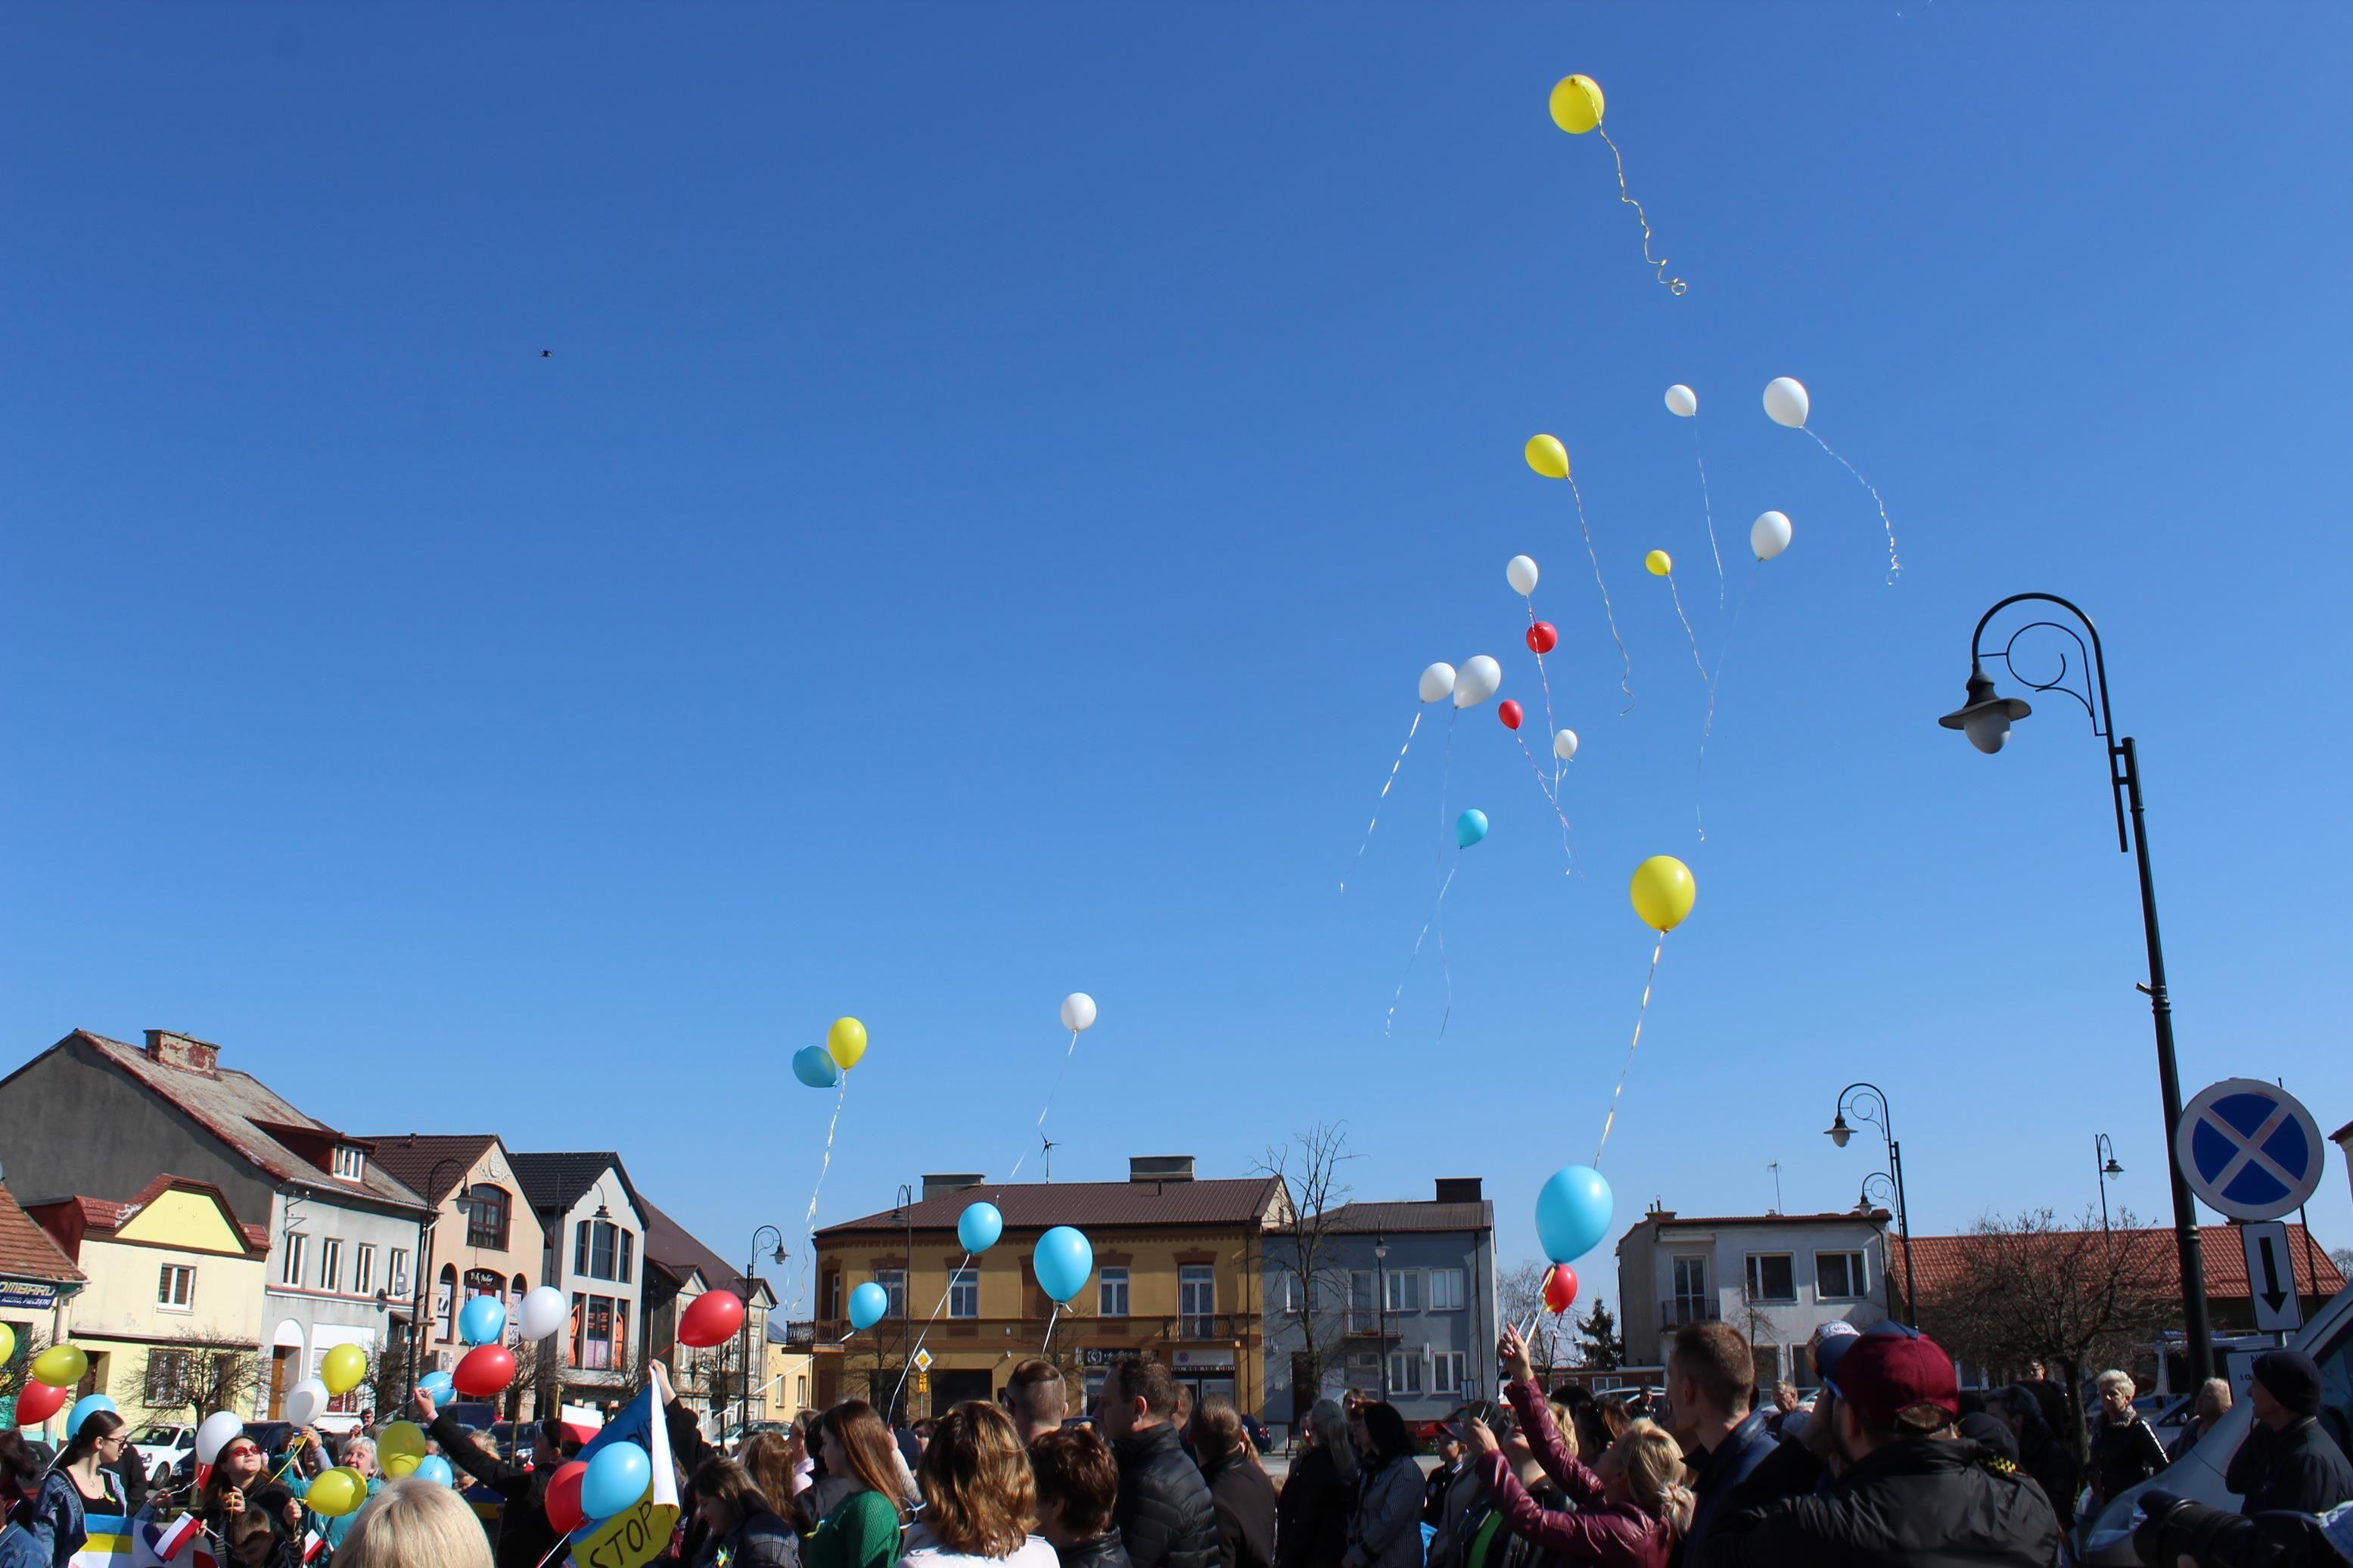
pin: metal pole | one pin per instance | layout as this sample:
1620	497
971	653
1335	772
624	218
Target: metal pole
1903	1218
2101	1170
744	1340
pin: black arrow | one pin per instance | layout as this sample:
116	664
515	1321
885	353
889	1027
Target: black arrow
2273	1294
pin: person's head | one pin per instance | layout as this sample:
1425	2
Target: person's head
413	1522
2286	1388
1078	1484
1217	1432
1891	1384
359	1454
2015	1407
2037	1373
1785	1397
923	1431
1327	1428
2115	1396
859	1446
2213	1398
238	1463
1184	1404
18	1468
1037	1397
1138	1395
1381	1432
727	1495
1646	1467
102	1436
1590	1426
1711	1375
767	1458
250	1539
978	1495
1615	1417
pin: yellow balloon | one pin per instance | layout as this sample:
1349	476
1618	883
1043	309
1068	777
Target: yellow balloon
343	1368
1577	104
401	1440
1659	563
1548	457
61	1366
846	1042
1663	891
7	1344
335	1493
399	1465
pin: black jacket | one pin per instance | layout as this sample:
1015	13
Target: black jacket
1925	1502
1103	1551
1165	1516
2124	1455
2301	1469
1243	1496
762	1540
2052	1465
2213	1539
1311	1514
1790	1470
523	1536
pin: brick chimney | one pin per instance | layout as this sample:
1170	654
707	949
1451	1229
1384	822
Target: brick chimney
183	1051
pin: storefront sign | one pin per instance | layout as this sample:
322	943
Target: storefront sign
1104	1355
1205	1361
33	1295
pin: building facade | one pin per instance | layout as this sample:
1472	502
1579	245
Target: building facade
1180	1275
483	1238
1776	1277
1393	1299
709	1379
595	1227
97	1115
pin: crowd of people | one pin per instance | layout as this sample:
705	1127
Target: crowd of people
1889	1463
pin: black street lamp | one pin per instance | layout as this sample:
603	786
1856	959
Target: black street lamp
1381	1267
2102	1145
464	1207
1986	719
744	1335
1870	1107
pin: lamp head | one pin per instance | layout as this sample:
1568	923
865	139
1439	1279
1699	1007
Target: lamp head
1838	1131
2112	1168
1985	718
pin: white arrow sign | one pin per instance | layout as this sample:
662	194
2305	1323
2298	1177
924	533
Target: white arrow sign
2271	1278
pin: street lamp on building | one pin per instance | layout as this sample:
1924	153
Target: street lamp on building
464	1206
751	1285
1869	1103
2102	1145
1381	1284
1986	719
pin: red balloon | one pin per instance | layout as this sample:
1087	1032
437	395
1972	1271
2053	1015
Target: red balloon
1509	712
1542	637
39	1401
485	1370
563	1497
712	1319
1560	1288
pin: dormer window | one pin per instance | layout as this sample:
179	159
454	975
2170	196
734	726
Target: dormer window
351	1164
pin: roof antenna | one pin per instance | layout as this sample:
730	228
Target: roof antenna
1048	1142
1774	1166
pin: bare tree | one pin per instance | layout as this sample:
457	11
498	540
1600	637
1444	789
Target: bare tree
1314	1281
203	1370
17	1370
2343	1257
1519	1297
2027	1289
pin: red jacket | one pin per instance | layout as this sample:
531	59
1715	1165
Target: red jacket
1601	1534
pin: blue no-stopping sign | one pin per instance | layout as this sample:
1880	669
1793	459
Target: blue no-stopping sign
2250	1149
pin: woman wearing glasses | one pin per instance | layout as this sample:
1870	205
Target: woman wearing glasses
47	1532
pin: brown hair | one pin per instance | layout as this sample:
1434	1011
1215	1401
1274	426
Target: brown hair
1218	1428
1075	1469
977	1483
1715	1357
1141	1377
729	1484
97	1425
245	1526
873	1458
767	1458
17	1467
1039	1392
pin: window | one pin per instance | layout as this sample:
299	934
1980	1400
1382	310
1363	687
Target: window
290	1267
1768	1359
963	1293
363	1269
628	1254
1405	1373
398	1283
1802	1367
174	1289
601	1251
167	1378
1405	1290
1770	1278
1197	1300
350	1163
1110	1292
894	1287
800	1391
620	1333
486	1217
1363	1317
1838	1276
330	1264
445	1300
1692	1302
833	1297
1446	1290
1446	1372
593	1340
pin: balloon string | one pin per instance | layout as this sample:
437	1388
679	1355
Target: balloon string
1375	822
1698	774
1051	1319
1039	1124
1551	728
1676	593
1625	681
1388	1022
809	1223
1675	285
1551	799
1610	1120
1893	565
1707	510
934	1318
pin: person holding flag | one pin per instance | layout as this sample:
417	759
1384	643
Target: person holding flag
525	1538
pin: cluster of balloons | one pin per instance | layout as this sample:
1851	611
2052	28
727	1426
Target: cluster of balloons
821	1067
488	1366
585	1493
1573	1210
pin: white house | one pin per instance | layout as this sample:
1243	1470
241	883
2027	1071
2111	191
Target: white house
596	1230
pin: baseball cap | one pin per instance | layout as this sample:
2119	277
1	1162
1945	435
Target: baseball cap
1831	1343
1889	1370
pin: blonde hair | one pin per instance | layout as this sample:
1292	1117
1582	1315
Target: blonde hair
2112	1378
414	1522
1653	1463
982	1498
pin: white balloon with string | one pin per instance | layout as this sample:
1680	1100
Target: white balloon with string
1789	406
1436	685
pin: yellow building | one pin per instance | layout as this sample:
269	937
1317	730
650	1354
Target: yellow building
172	1316
790	1377
1179	1266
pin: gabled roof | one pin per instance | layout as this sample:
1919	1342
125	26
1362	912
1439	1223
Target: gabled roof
1111	1205
109	1214
1943	1260
26	1251
411	1157
555	1180
1385	1218
237	1108
672	1248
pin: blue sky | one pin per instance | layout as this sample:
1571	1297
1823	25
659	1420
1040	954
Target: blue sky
998	476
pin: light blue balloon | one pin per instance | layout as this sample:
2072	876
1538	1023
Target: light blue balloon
1573	1212
1469	828
82	1409
439	1385
433	1468
979	1226
1062	1261
617	1479
869	1305
814	1066
481	1320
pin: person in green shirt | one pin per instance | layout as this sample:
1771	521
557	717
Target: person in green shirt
861	1530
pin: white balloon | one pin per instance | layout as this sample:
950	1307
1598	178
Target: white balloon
1521	572
305	1400
1769	536
1682	401
1786	401
1078	1012
1436	682
1480	677
544	1312
215	1435
1564	745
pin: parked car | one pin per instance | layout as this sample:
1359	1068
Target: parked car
160	1445
732	1438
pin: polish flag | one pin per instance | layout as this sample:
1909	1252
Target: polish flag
314	1546
172	1538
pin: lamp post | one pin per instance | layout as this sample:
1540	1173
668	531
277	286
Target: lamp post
1986	719
1870	1107
906	1305
1381	1271
744	1336
425	1254
2103	1145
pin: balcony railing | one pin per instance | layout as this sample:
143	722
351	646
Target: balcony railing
1678	1311
1181	1328
800	1336
1370	1325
